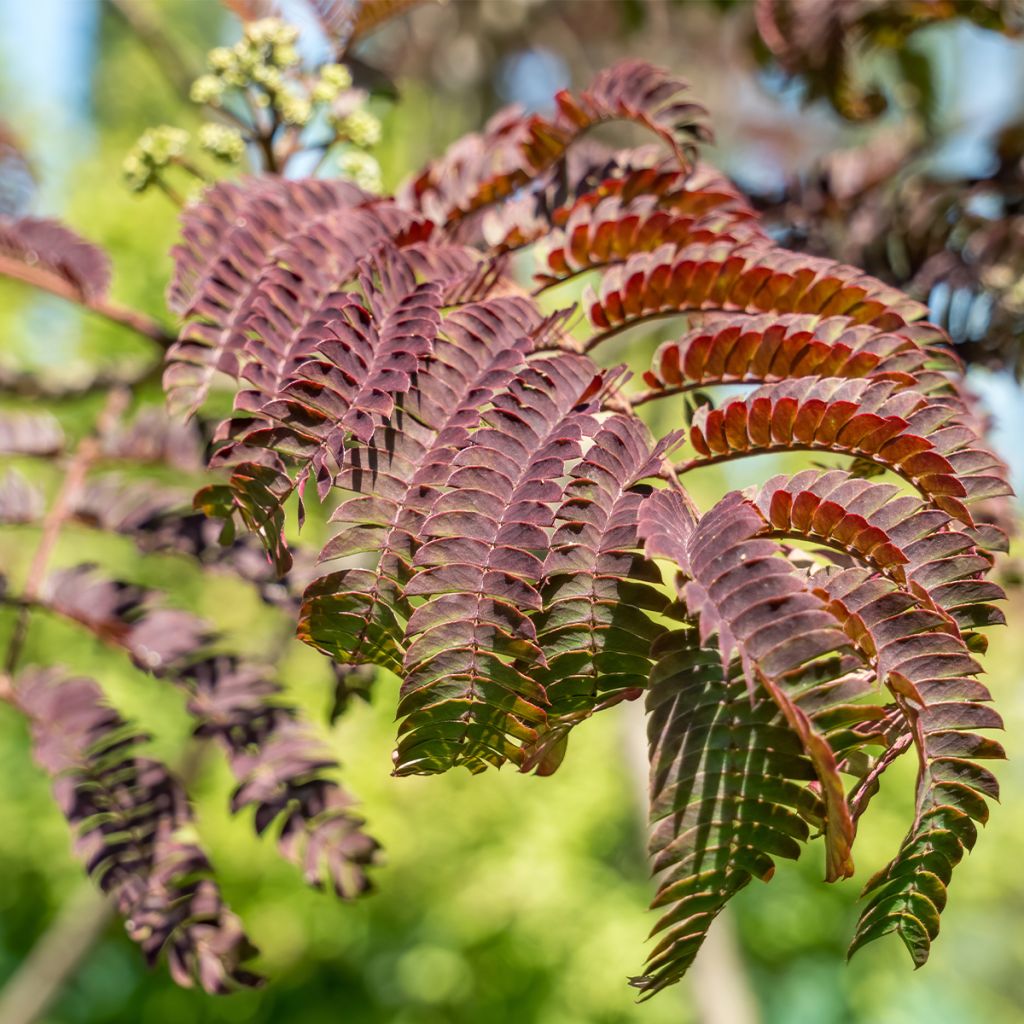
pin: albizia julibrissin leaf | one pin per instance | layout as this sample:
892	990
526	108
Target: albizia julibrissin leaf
932	674
632	187
598	591
20	501
600	231
897	535
481	170
229	239
24	433
496	488
756	277
282	769
254	497
361	354
887	422
281	766
907	613
480	565
291	295
49	248
741	588
729	793
359	615
762	348
344	22
134	831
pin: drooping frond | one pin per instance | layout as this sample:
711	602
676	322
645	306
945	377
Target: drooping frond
932	675
281	767
481	170
282	772
729	793
742	589
462	701
134	831
598	591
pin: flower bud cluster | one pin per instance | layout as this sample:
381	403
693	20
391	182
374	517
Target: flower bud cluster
223	142
156	149
260	72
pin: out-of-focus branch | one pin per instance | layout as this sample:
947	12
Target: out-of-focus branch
42	279
56	956
172	63
71	486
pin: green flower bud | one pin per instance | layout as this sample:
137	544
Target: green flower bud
137	175
362	169
207	89
336	75
270	78
220	58
223	142
163	144
155	149
284	55
236	76
262	32
362	127
293	108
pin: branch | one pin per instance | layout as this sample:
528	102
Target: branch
30	385
55	285
86	454
174	66
55	958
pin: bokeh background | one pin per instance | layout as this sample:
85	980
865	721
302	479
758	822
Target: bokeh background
505	898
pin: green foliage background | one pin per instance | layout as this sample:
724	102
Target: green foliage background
505	898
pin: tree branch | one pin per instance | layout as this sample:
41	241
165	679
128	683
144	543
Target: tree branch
56	285
71	486
55	958
172	63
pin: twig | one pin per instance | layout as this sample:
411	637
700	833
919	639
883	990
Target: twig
653	394
74	480
169	190
46	281
54	959
30	385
